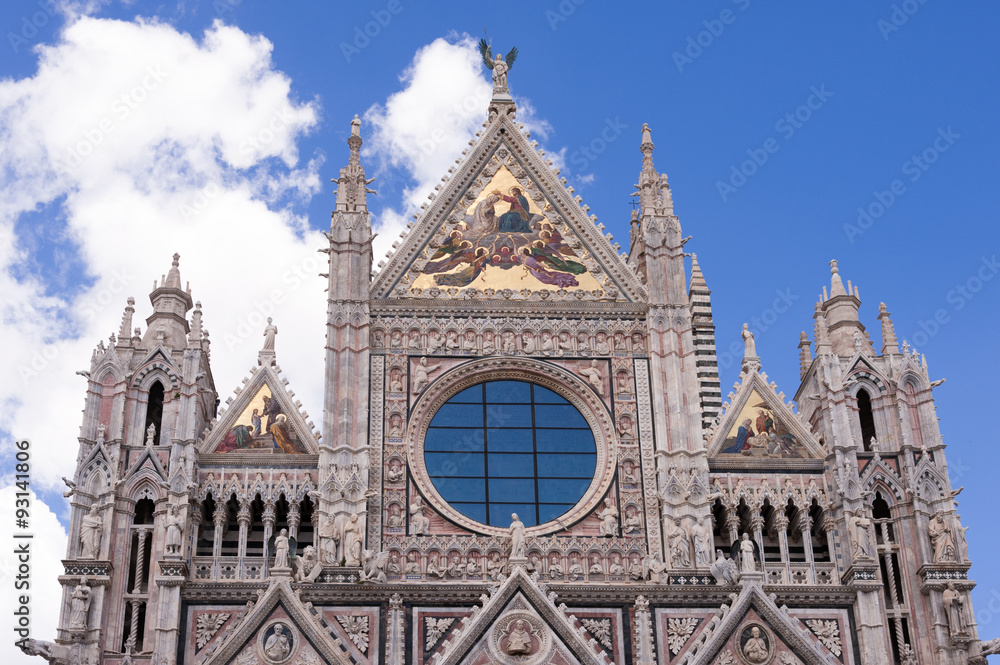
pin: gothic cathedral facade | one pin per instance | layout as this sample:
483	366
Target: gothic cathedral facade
525	457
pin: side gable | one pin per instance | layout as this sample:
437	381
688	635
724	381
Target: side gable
488	636
261	418
483	239
303	634
758	424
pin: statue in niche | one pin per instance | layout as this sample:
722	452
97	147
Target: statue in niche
701	538
395	518
954	606
583	342
616	567
395	425
680	552
755	649
393	567
747	550
471	567
565	344
281	546
433	570
452	343
602	347
941	539
547	346
91	532
329	539
395	381
633	523
575	569
412	564
488	348
609	518
629	473
528	343
555	568
395	472
396	339
470	342
509	343
596	567
174	524
80	604
434	342
860	526
352	540
494	567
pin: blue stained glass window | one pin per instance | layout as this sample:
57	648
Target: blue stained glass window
505	447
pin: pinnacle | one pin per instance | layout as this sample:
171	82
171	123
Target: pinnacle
173	278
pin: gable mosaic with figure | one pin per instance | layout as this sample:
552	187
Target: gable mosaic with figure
758	432
260	427
505	240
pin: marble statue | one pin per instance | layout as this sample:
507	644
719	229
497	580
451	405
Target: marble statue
270	331
954	606
701	538
80	604
91	532
724	570
352	540
174	524
680	552
281	549
421	375
747	563
519	637
151	434
941	539
518	544
277	647
609	518
594	377
861	525
419	523
749	348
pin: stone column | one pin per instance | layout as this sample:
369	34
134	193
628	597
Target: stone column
644	652
781	526
805	528
395	638
219	518
829	524
243	519
733	524
294	517
757	526
268	532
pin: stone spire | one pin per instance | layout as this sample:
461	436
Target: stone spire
840	309
194	337
170	307
703	332
890	347
352	187
125	329
805	354
652	188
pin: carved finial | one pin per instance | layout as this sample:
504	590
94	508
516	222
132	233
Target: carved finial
356	126
805	354
890	346
352	186
836	283
266	355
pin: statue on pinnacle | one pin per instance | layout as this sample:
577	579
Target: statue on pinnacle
499	64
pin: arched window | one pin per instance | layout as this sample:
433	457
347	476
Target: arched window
866	418
206	534
154	411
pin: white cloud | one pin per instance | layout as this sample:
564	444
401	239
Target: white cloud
134	141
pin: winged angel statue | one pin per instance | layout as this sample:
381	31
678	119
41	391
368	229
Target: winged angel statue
499	64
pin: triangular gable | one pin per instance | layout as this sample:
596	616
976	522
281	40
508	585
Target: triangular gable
306	633
773	431
488	635
777	630
147	463
499	253
262	418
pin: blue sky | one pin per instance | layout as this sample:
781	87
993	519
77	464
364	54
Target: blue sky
902	126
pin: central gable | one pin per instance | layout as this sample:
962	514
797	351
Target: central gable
505	227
